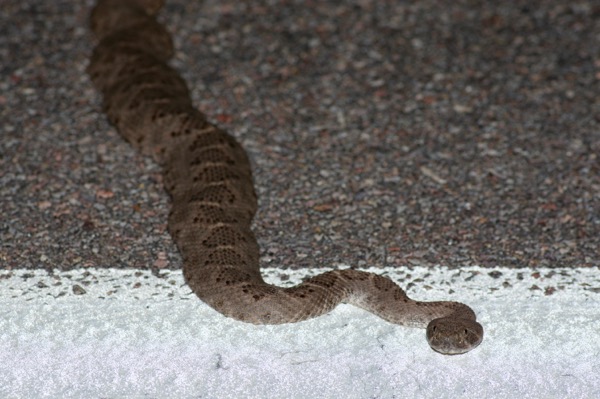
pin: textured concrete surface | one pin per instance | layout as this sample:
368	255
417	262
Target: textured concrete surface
112	333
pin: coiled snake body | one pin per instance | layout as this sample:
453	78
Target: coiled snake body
208	176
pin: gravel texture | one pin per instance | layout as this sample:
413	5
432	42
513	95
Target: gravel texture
382	133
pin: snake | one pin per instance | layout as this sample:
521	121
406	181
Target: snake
208	177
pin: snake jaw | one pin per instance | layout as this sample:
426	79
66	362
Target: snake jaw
451	336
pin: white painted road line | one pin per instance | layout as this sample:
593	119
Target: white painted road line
126	333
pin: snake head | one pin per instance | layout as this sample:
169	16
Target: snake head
452	336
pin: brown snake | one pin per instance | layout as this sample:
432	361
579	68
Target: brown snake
208	176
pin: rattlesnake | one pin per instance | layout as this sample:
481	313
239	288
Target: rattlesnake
208	176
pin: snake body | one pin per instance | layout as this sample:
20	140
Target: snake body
208	176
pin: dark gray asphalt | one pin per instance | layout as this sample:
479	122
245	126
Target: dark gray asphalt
382	133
